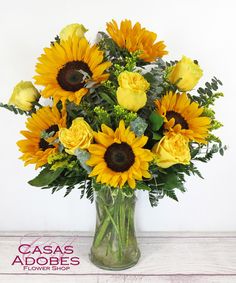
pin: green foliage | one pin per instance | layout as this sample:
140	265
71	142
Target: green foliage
142	186
215	125
208	95
109	46
156	80
156	136
97	186
164	182
57	39
87	190
171	63
189	170
70	179
85	110
205	154
46	177
14	109
155	196
121	59
206	98
156	120
107	98
110	86
83	156
212	138
138	126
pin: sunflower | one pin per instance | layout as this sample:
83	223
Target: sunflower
41	137
135	38
183	116
119	157
68	69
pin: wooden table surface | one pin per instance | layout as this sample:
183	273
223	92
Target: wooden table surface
186	257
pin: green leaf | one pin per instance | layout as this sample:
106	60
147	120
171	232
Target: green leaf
156	120
68	190
221	151
142	186
172	181
156	136
96	186
207	84
45	177
153	198
14	109
171	194
194	152
150	78
107	98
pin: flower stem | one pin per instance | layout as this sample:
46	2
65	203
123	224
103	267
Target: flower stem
102	230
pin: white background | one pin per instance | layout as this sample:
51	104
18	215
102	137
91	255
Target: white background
203	30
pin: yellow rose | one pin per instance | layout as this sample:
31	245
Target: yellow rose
24	94
72	29
185	74
131	93
78	136
172	149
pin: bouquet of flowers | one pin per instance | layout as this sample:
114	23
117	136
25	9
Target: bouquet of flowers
118	119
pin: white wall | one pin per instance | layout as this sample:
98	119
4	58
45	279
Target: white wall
199	29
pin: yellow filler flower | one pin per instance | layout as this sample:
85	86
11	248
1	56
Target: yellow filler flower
67	70
118	157
183	116
135	38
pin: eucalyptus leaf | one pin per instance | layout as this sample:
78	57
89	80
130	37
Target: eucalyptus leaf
83	156
138	126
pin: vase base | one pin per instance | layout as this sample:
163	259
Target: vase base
115	268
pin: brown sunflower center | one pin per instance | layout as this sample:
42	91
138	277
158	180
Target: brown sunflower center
72	76
51	131
52	128
44	144
178	119
119	157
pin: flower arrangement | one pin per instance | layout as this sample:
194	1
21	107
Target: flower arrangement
119	118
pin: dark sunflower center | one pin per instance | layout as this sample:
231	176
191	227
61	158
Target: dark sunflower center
72	75
119	157
53	128
178	119
43	144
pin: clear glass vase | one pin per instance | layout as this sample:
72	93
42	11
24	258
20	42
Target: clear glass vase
115	244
